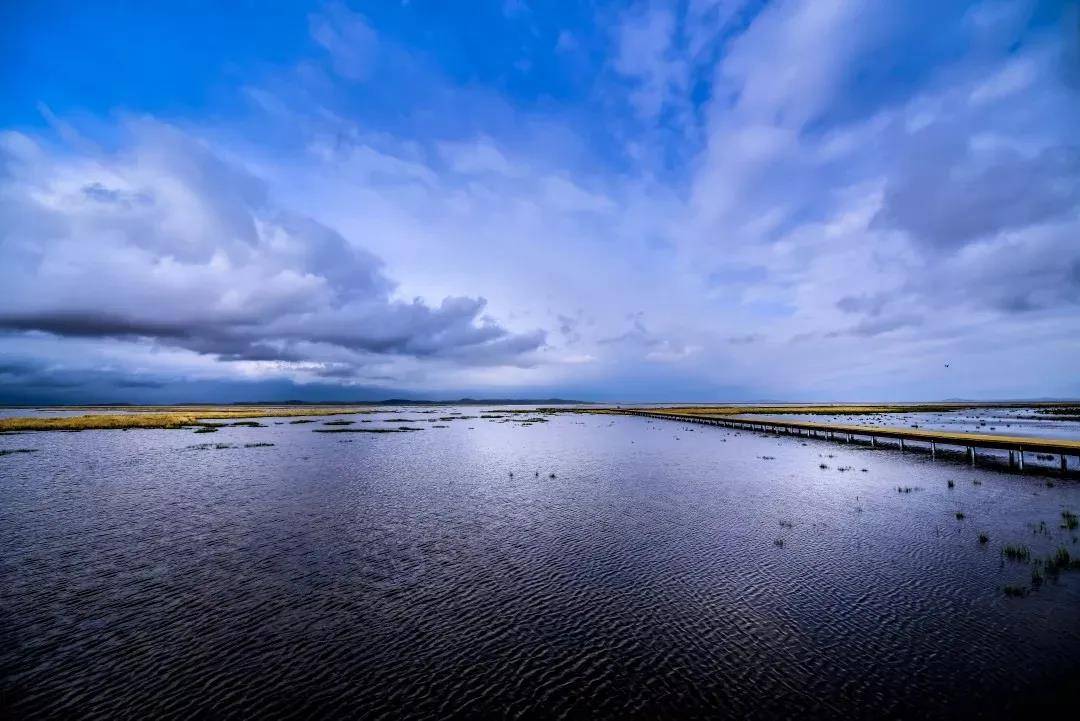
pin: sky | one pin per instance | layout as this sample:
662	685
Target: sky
704	200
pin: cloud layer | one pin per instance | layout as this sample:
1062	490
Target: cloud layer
167	243
704	200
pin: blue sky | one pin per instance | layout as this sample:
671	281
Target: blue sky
699	200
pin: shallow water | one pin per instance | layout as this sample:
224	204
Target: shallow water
410	574
1026	422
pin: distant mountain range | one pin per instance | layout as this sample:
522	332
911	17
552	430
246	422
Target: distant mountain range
411	402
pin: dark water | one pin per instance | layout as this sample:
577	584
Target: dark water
410	575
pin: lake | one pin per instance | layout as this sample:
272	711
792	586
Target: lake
589	566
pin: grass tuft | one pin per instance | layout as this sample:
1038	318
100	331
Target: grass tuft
1016	552
1069	520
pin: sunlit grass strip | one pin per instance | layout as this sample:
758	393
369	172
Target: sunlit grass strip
824	409
106	421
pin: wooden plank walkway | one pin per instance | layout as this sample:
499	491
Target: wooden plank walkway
1016	446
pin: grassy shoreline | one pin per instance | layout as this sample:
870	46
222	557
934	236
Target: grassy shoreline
152	418
129	417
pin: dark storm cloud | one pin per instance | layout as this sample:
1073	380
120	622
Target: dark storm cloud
88	324
174	245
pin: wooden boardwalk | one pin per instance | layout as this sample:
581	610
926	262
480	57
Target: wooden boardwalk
1015	446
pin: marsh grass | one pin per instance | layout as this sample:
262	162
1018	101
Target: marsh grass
338	423
157	417
1016	552
1069	520
258	445
13	451
210	447
401	429
984	539
959	515
951	483
1060	561
1037	576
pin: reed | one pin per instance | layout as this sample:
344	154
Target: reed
1016	552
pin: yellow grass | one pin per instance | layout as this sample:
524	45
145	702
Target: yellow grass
820	409
151	417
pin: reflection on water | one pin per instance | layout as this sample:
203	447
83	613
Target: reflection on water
589	566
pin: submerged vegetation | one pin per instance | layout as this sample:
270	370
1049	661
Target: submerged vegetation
12	451
1015	552
224	446
1069	520
399	429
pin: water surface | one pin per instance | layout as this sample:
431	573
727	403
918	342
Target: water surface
589	566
